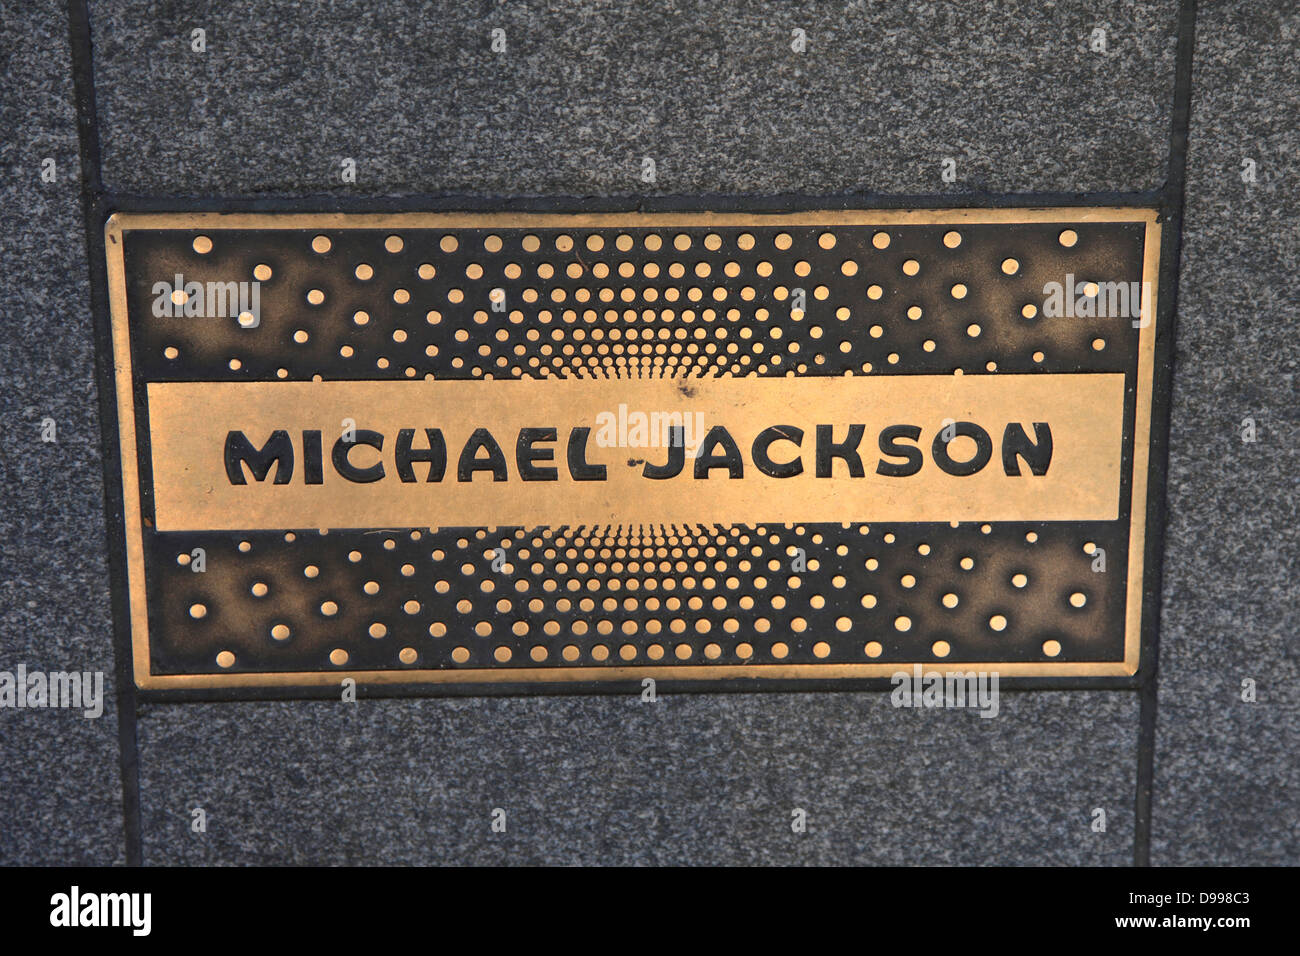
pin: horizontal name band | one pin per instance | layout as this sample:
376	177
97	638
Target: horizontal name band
359	454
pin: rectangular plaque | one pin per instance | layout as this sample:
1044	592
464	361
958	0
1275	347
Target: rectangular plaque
541	448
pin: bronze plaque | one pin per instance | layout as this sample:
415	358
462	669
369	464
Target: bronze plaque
463	449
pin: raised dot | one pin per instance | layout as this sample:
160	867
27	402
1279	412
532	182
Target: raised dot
880	240
1068	238
1078	599
903	623
261	272
874	649
1029	311
780	650
1051	648
198	610
338	657
950	600
460	654
952	239
202	245
959	291
998	622
1010	266
821	649
321	244
407	655
911	267
315	296
393	243
225	659
940	648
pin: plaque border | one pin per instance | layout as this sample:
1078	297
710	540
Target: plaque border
1146	487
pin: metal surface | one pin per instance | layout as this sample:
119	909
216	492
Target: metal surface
514	332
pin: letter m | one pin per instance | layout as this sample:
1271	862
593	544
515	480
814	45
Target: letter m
278	450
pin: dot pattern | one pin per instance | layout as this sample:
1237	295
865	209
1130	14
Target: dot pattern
666	302
605	303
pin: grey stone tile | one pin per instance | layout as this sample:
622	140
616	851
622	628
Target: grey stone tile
1227	775
712	91
58	770
691	779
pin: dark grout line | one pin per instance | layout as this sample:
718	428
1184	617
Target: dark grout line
1174	198
92	191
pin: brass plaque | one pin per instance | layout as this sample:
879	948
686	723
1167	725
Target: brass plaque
551	449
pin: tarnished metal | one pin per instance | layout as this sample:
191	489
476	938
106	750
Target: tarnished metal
459	449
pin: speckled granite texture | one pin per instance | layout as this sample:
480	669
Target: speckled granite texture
688	780
1227	772
712	91
59	779
715	95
